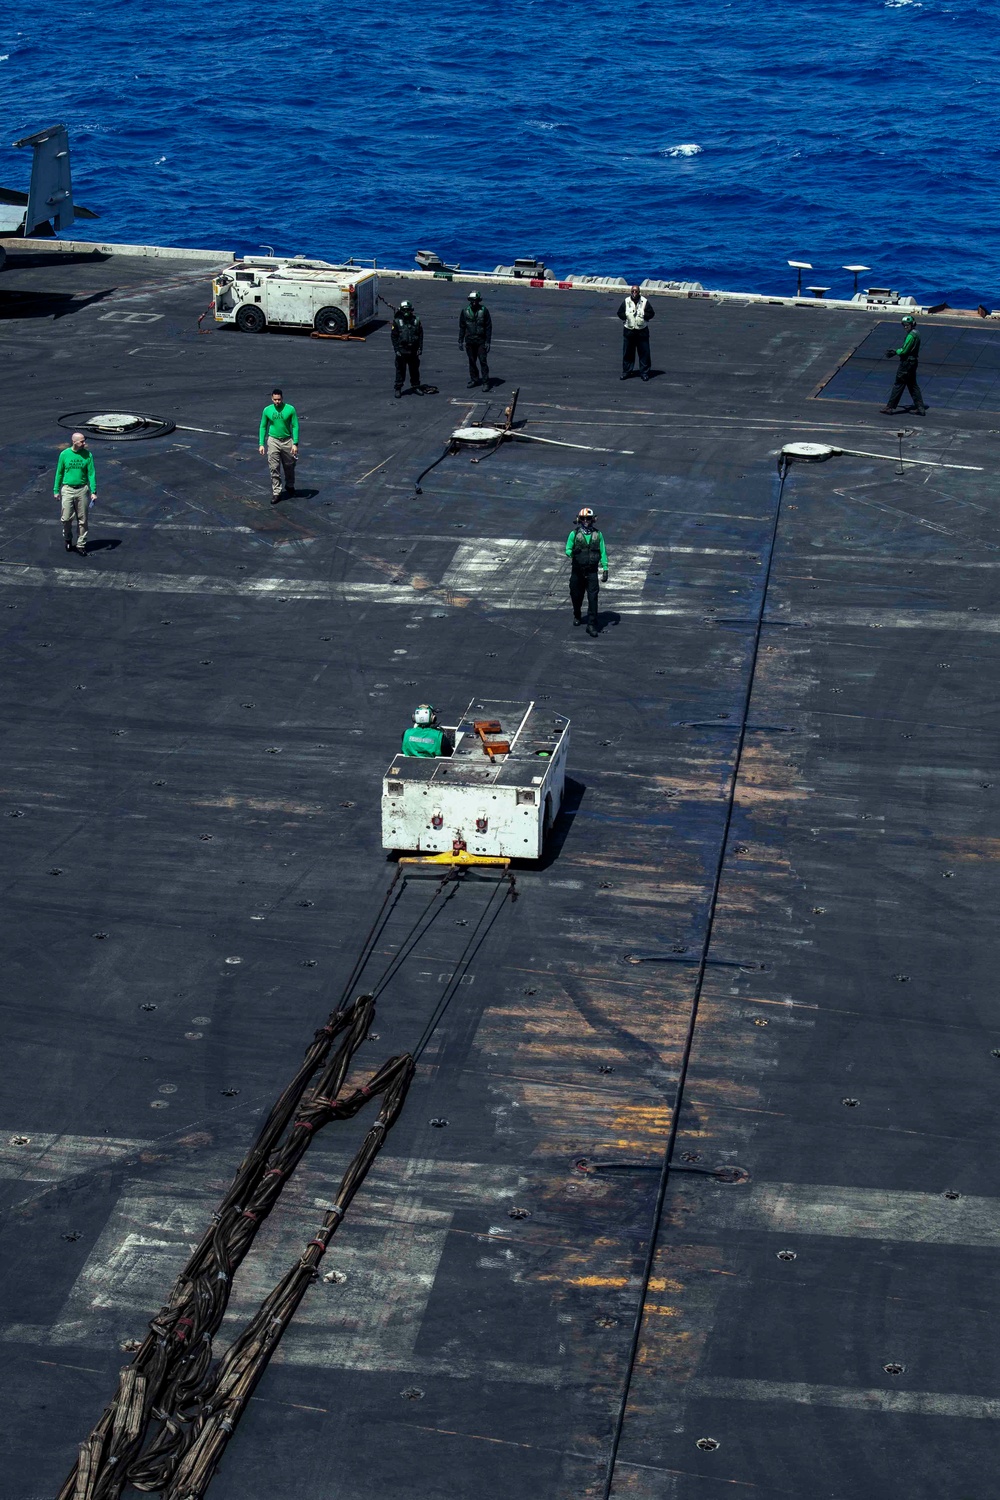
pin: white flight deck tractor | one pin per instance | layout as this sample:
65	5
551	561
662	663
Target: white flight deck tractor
256	294
497	796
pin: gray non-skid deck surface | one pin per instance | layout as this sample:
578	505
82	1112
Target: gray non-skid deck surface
959	368
196	721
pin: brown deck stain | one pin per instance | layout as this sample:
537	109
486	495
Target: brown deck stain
968	848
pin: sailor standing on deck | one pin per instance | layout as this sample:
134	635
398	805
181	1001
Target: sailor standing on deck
75	485
906	371
585	548
635	313
407	345
475	333
279	439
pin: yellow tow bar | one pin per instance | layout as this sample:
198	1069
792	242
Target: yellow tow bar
457	858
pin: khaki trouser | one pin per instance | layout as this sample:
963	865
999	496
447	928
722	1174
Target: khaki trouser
76	503
280	456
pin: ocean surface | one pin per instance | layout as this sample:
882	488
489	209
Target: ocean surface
699	141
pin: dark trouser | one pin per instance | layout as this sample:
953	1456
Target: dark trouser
407	362
906	380
636	342
584	581
477	352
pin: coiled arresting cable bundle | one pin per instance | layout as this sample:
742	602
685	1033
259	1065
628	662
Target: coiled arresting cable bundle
172	1389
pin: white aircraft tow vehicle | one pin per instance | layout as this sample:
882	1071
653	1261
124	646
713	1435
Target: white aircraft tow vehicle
270	292
494	799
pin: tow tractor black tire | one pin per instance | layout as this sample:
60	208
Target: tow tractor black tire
330	320
250	319
548	820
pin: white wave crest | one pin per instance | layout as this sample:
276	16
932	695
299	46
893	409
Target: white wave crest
689	148
159	161
543	124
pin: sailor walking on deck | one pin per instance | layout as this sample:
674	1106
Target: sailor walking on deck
635	313
908	354
586	550
407	344
75	485
279	439
475	334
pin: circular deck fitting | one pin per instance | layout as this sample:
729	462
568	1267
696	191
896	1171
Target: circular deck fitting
114	421
116	426
811	452
477	434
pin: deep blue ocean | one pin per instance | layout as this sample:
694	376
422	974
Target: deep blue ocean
708	142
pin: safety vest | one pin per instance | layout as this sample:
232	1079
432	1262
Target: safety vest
475	324
422	740
635	314
910	350
407	332
586	549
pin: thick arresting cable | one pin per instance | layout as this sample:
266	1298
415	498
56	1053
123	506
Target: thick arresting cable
171	1375
245	1362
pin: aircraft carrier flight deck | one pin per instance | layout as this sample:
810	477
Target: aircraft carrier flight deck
692	1193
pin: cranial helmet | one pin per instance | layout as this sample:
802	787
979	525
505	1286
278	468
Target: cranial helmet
908	319
475	297
424	717
406	308
586	514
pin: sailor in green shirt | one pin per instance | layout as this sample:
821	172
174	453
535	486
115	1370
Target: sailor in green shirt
279	439
585	548
906	371
425	738
75	485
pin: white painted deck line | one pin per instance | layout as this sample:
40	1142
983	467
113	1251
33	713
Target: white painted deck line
859	1213
106	519
53	1158
847	1398
511	573
523	578
898	560
196	583
390	1249
892	619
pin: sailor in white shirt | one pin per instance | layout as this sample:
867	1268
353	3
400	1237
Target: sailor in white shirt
635	313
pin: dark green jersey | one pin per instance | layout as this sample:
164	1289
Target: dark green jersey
422	740
75	469
279	422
